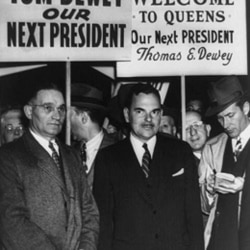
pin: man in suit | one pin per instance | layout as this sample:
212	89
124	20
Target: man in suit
45	201
228	201
197	133
147	195
12	124
87	115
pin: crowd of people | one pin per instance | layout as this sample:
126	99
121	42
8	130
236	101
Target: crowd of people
127	184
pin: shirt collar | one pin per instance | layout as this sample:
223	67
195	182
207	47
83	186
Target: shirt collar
137	144
96	140
44	142
244	136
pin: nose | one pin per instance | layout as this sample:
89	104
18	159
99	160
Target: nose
56	114
193	131
225	123
18	132
148	117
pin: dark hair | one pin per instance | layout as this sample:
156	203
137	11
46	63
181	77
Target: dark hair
96	115
43	85
242	100
141	88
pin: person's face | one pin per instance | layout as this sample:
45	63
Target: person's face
144	116
196	132
12	127
234	119
46	113
195	105
167	125
76	122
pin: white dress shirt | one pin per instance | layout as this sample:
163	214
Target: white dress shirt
139	150
92	147
244	136
45	143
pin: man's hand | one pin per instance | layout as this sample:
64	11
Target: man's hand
225	188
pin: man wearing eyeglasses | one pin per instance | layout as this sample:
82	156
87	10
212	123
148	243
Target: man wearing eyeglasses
12	126
146	186
45	200
197	133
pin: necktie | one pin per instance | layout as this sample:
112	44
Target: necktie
83	156
238	148
146	159
55	156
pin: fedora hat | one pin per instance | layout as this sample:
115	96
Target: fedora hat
86	96
223	93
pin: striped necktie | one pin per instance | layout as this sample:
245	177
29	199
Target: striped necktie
237	149
83	154
55	156
146	159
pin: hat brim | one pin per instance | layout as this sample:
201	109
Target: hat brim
219	108
89	105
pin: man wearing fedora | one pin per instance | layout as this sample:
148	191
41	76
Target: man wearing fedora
227	199
88	112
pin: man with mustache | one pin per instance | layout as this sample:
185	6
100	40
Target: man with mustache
146	186
45	200
227	200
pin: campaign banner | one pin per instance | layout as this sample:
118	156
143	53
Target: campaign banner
60	30
187	37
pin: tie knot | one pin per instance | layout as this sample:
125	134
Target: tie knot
238	141
145	146
83	146
51	146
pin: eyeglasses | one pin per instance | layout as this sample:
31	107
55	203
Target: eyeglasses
49	108
196	126
14	130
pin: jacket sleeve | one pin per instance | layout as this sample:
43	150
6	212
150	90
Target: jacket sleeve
17	231
192	202
205	170
90	218
102	191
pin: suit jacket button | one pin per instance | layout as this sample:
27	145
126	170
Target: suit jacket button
156	236
154	212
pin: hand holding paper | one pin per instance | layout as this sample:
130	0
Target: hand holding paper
227	183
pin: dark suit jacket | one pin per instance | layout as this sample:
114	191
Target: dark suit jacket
157	214
38	211
106	141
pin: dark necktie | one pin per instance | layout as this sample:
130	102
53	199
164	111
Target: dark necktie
84	156
146	159
238	148
55	156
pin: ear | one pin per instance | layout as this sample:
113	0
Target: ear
246	108
126	114
84	117
28	111
174	130
208	129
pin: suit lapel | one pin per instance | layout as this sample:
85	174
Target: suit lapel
162	163
132	169
40	157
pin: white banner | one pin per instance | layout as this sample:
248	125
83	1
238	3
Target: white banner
187	37
60	30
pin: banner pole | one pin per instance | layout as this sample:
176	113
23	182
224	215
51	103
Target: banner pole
68	101
183	107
